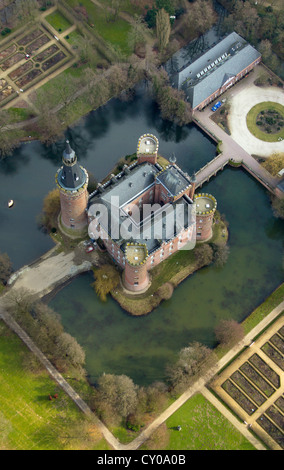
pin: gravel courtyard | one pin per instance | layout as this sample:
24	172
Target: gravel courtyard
241	101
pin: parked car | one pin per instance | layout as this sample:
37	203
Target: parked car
89	249
216	106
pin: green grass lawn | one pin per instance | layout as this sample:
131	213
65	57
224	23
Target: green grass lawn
115	32
58	21
264	309
203	427
28	419
252	117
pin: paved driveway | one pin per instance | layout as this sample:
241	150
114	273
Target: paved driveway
241	103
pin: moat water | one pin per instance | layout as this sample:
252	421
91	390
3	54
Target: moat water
114	341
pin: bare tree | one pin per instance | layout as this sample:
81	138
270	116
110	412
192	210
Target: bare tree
229	332
163	29
5	267
193	361
9	136
119	392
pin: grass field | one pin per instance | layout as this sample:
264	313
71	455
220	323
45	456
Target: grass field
115	32
58	21
28	419
251	121
203	427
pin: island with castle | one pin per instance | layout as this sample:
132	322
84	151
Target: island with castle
114	214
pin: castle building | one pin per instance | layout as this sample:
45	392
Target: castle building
209	75
72	181
146	213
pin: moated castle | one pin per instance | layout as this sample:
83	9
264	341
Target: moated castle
135	241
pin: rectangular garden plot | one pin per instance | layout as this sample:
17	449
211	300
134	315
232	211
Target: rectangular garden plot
53	60
248	388
257	379
29	77
37	44
278	342
265	370
12	60
281	332
30	37
21	70
247	405
276	417
6	52
46	53
274	355
271	429
280	403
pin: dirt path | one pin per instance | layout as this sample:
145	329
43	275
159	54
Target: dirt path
51	270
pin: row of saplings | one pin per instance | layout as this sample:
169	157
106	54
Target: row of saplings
115	398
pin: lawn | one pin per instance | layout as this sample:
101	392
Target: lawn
29	420
58	21
264	309
114	32
252	118
203	427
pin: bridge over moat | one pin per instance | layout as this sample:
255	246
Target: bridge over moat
232	153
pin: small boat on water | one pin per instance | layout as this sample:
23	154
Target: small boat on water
10	203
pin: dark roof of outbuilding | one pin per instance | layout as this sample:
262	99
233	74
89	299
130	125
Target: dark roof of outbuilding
209	72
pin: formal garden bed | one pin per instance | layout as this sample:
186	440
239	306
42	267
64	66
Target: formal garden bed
271	429
265	370
273	354
12	60
257	379
29	77
278	342
248	388
280	403
30	37
21	70
7	52
247	405
53	61
266	121
37	44
46	53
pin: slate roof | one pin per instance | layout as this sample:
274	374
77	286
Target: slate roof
71	176
223	61
173	180
132	184
141	177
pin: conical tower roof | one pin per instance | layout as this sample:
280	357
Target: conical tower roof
71	176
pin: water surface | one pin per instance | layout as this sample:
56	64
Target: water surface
142	347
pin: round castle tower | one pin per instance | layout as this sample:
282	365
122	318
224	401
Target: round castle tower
136	276
147	149
72	181
205	208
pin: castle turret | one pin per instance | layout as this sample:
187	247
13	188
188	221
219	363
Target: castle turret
136	276
147	149
206	205
72	181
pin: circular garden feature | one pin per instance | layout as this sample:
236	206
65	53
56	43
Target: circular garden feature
266	121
